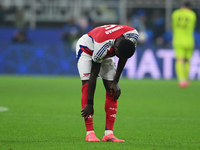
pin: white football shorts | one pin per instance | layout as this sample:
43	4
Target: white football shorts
84	64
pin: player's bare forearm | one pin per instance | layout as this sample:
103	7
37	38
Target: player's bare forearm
120	67
93	78
115	88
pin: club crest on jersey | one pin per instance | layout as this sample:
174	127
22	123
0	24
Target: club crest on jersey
113	30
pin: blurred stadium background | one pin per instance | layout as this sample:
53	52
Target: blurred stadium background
37	37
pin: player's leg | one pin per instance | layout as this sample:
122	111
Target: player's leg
84	67
188	56
111	112
107	72
84	101
180	66
187	68
110	107
90	135
185	83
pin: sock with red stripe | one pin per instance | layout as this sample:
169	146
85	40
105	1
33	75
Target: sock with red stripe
84	101
111	111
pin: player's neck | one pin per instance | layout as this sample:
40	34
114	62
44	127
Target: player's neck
185	8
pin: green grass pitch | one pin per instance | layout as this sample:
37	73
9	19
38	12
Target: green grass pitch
44	113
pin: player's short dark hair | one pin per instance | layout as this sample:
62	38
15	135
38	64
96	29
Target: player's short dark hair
187	4
126	48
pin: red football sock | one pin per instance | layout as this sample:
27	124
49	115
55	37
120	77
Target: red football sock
111	111
84	101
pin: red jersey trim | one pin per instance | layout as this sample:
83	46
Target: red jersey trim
86	50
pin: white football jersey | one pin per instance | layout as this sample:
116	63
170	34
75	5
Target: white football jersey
100	41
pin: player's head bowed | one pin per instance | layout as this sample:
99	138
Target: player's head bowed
126	48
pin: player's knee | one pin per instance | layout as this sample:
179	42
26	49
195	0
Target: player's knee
84	82
180	59
187	60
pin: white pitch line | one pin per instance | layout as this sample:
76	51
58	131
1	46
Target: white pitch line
3	109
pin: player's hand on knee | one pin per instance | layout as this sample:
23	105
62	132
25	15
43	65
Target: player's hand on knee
87	111
117	94
115	89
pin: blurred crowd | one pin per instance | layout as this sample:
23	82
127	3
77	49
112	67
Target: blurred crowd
150	24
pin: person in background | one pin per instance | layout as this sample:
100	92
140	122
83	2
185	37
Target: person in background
95	53
71	31
86	25
20	36
20	21
158	27
138	21
183	26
